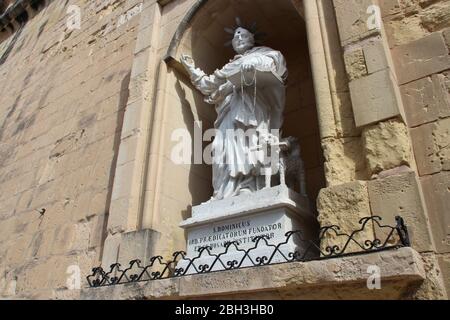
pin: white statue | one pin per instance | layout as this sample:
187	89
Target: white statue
248	108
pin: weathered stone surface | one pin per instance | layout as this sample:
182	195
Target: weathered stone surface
426	100
421	58
137	245
400	195
375	55
433	287
436	17
441	139
386	146
446	34
436	189
61	116
375	98
355	64
410	20
8	284
342	278
345	120
344	160
444	264
352	17
392	172
111	250
420	102
431	148
344	206
401	30
390	7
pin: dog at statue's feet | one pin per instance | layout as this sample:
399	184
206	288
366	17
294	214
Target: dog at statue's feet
292	169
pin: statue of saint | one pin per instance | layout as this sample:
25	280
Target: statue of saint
247	108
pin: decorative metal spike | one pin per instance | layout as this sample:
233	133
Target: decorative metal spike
229	30
228	43
239	22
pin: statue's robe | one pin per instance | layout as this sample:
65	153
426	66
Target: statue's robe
235	167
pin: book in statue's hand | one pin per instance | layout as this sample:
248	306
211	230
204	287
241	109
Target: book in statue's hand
264	78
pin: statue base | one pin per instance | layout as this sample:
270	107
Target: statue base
270	213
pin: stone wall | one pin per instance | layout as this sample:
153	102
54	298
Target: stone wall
397	78
63	94
418	33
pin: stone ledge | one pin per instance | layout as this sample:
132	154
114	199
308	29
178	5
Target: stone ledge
401	271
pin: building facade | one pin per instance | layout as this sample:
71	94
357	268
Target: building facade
92	92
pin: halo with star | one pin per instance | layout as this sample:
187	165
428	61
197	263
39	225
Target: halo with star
259	36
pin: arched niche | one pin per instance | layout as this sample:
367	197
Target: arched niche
201	34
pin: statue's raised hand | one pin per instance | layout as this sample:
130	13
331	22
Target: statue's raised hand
187	62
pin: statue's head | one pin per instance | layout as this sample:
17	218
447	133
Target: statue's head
243	40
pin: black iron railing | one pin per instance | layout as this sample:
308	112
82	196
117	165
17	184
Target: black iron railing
385	237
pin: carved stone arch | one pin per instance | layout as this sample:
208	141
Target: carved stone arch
189	16
184	24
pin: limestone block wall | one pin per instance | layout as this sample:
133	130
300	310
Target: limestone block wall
63	95
399	98
418	34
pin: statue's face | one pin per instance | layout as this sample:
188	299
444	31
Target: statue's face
243	40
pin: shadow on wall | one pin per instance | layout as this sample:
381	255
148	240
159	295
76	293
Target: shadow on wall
197	171
124	94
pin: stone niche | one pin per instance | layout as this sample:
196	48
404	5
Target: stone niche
204	40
